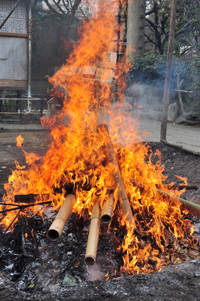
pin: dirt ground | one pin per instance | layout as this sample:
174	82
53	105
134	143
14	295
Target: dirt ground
34	141
176	282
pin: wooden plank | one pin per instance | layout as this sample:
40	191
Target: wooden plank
105	75
13	83
87	71
14	35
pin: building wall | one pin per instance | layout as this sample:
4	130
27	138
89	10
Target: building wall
13	45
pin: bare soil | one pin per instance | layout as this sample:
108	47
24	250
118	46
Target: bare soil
55	263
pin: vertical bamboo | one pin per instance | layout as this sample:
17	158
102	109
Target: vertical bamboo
108	148
61	218
93	238
107	210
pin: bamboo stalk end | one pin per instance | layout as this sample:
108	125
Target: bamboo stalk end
106	219
56	229
53	235
90	260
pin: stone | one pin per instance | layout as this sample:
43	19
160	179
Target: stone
172	112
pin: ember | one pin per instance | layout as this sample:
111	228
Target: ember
84	164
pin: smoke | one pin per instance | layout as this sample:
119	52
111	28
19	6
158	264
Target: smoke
145	96
93	273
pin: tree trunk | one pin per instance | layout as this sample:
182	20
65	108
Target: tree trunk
135	27
163	132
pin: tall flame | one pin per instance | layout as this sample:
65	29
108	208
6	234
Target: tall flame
75	158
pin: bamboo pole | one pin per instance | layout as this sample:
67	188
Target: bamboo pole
187	187
191	207
106	214
93	238
61	218
109	151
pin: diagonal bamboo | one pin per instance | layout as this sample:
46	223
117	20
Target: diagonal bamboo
61	218
93	238
191	207
110	155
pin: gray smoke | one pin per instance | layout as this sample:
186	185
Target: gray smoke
93	273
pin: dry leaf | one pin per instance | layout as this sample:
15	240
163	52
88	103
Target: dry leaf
195	248
193	254
177	261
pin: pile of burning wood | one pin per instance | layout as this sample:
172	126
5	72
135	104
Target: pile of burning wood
105	216
122	179
181	249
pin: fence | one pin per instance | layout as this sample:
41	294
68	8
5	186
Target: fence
22	110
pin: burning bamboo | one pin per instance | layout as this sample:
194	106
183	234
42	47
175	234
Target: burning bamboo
29	198
187	187
191	207
61	218
109	151
93	238
107	210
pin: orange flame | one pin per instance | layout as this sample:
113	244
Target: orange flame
20	140
75	157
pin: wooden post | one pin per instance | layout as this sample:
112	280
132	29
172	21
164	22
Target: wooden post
166	95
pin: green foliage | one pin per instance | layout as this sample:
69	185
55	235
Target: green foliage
151	70
9	105
147	69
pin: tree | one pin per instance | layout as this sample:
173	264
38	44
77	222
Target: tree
166	95
54	32
157	23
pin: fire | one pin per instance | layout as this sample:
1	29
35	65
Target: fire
75	159
20	140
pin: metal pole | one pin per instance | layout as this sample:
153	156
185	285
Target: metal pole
10	13
20	103
29	57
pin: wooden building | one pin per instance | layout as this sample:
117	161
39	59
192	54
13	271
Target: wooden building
14	44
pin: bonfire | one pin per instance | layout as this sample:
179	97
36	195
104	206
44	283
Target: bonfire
98	163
